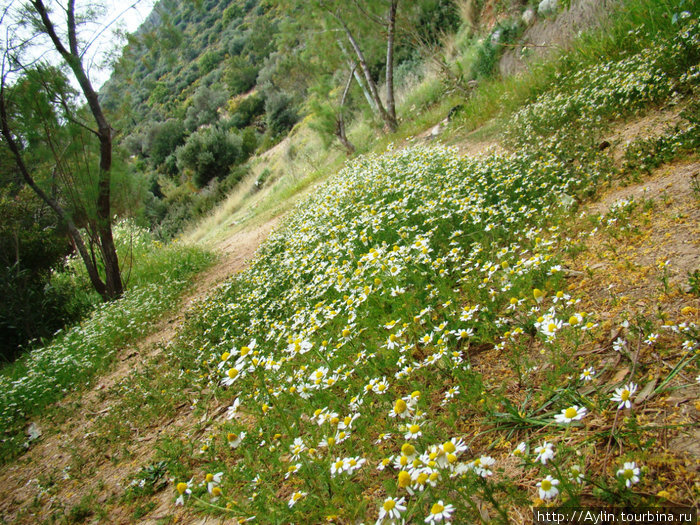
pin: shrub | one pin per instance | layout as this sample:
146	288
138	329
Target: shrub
281	114
162	138
209	153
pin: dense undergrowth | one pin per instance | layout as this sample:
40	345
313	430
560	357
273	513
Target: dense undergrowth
156	275
408	347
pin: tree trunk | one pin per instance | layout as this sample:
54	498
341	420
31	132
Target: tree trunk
389	122
358	78
391	24
113	281
73	231
349	146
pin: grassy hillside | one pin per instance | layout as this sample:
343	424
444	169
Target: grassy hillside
412	344
427	336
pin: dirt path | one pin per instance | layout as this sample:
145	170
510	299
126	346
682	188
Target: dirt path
64	475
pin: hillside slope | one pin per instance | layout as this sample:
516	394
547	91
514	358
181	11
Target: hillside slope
432	337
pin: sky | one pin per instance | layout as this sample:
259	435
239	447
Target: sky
122	15
129	21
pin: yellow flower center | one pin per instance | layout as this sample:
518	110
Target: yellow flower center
407	449
181	487
570	413
389	504
546	485
625	395
216	492
628	473
209	478
232	373
414	429
448	446
400	406
225	356
404	479
437	508
244	350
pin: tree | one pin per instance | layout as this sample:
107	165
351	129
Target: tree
388	112
328	119
38	18
209	153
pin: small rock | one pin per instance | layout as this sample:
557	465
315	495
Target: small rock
33	432
547	7
454	111
528	16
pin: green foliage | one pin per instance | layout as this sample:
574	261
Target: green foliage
182	205
208	61
162	138
244	114
249	142
280	112
204	107
31	247
209	153
232	12
490	49
436	18
157	275
240	74
159	94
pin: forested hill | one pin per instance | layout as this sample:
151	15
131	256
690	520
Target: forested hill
250	69
184	47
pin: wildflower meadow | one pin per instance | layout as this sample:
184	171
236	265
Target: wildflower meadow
410	346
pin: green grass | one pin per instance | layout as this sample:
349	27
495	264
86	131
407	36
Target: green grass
636	25
70	360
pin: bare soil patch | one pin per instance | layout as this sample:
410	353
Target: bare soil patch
553	35
671	228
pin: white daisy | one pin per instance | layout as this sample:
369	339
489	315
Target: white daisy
548	487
